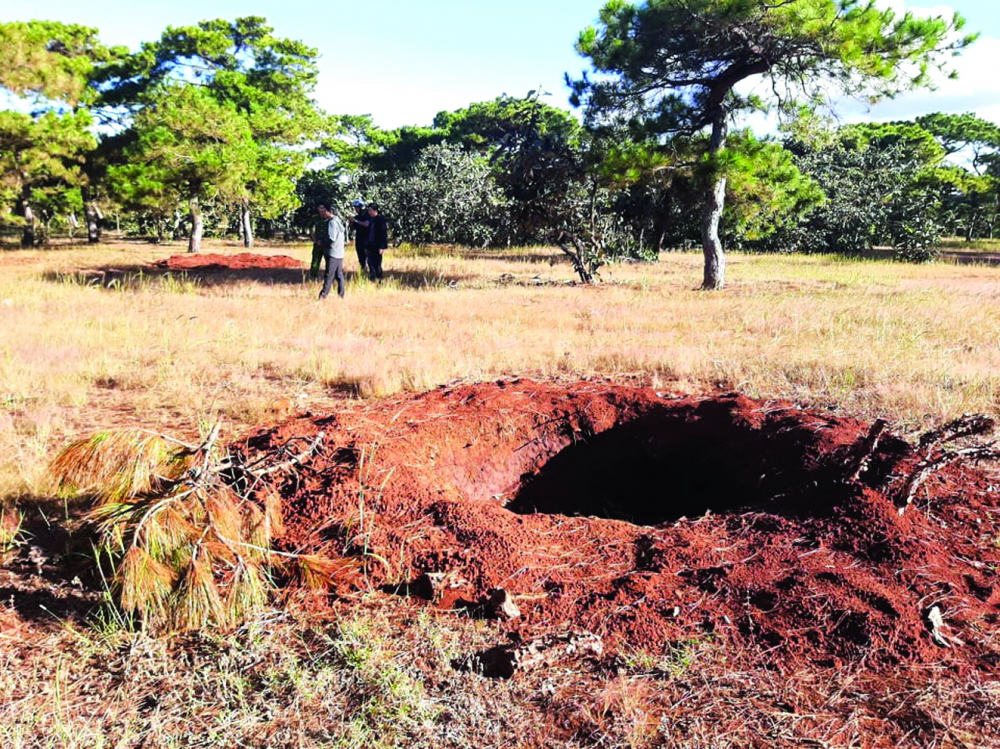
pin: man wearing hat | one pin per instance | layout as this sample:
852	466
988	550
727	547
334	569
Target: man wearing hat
360	226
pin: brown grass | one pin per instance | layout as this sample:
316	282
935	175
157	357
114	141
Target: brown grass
918	344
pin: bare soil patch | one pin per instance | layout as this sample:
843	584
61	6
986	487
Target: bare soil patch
651	519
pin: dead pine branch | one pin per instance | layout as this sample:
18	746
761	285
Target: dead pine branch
865	449
928	468
578	255
191	546
936	457
967	425
310	449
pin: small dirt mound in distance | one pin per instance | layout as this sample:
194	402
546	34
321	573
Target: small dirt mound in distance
240	261
650	519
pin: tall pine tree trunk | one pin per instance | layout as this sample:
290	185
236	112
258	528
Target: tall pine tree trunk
661	220
970	226
711	212
92	217
28	232
247	226
194	238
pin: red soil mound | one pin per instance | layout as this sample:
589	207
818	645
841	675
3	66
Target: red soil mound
240	261
651	519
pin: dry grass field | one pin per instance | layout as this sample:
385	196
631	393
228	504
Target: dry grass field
93	337
915	344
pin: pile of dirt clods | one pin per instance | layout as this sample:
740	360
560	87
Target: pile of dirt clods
647	518
215	261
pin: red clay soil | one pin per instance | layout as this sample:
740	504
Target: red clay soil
650	519
241	261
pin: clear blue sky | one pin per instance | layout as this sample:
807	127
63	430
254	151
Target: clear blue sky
403	61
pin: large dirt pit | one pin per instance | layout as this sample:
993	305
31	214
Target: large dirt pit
650	519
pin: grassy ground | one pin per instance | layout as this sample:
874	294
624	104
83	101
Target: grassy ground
915	343
78	351
959	244
380	677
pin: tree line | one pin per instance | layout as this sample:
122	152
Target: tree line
213	129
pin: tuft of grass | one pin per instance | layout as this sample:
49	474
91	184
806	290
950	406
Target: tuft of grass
11	530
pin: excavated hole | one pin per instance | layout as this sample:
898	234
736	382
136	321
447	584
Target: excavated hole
664	466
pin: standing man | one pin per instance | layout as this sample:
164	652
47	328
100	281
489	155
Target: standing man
378	242
360	225
331	240
318	233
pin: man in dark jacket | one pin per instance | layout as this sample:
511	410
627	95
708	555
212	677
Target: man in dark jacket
378	242
359	224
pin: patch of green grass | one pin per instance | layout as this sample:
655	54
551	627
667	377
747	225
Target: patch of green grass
959	244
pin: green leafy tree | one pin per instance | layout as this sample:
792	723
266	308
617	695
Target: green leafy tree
653	186
876	190
47	67
970	201
351	142
332	186
556	191
250	74
447	195
484	126
186	147
41	162
481	127
51	62
764	187
908	137
397	150
967	134
672	66
765	190
971	192
510	145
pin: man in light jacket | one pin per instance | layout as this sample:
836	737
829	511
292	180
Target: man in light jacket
331	240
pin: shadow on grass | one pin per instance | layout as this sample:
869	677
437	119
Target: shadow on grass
119	277
946	254
51	575
135	277
412	279
553	258
971	258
